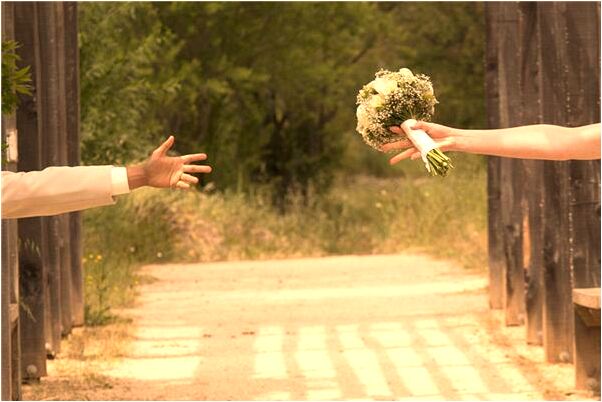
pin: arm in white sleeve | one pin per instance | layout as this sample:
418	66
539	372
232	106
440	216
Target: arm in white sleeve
119	181
56	190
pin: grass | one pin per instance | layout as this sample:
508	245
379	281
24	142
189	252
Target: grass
84	353
359	215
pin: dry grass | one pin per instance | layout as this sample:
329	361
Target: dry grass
73	375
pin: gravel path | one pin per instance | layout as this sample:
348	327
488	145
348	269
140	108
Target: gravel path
351	327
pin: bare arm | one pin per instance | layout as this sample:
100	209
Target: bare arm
541	141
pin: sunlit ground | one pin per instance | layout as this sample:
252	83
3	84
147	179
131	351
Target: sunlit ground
374	327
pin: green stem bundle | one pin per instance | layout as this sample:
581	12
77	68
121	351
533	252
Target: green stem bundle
438	162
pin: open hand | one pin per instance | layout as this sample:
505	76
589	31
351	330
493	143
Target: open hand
164	171
443	136
173	171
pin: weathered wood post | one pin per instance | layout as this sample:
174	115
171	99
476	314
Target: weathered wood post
558	314
583	107
73	156
494	233
33	276
511	170
533	172
49	98
11	347
64	235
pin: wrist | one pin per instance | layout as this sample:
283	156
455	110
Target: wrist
461	140
136	177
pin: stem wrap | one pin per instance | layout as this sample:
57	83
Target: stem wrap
420	139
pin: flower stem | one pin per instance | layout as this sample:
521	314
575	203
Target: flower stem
439	162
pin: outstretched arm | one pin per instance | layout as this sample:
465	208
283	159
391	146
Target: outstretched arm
56	190
541	141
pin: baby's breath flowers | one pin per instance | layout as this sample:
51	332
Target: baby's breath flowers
396	99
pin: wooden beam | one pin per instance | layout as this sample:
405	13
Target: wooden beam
33	276
11	348
533	173
73	156
49	128
587	297
587	346
583	107
494	230
584	85
511	170
64	235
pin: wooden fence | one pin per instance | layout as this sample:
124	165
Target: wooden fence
42	271
543	66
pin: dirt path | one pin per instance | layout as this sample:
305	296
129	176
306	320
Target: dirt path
374	327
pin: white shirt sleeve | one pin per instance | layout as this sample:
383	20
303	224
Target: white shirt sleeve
59	189
119	181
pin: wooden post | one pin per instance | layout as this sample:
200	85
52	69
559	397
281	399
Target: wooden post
64	235
587	338
558	311
33	275
583	107
73	157
495	239
49	97
533	173
534	277
511	177
11	345
511	170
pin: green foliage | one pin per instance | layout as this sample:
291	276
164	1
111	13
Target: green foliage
117	240
359	215
126	79
446	41
266	89
15	80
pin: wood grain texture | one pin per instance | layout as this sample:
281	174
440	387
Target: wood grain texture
532	183
73	156
558	311
494	219
49	126
511	170
33	278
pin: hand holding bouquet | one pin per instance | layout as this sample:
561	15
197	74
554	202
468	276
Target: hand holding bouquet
398	99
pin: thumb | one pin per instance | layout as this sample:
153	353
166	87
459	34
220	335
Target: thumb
166	146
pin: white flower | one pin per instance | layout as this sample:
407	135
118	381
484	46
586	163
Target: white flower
430	90
384	86
406	72
362	116
377	101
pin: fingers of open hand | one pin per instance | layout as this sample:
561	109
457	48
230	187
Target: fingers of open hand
403	155
196	168
186	178
193	158
181	185
163	148
396	145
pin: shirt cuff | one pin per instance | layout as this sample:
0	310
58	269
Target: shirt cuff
119	181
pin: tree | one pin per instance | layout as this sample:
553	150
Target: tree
266	89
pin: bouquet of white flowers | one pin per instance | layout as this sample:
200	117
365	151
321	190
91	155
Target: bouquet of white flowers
397	99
